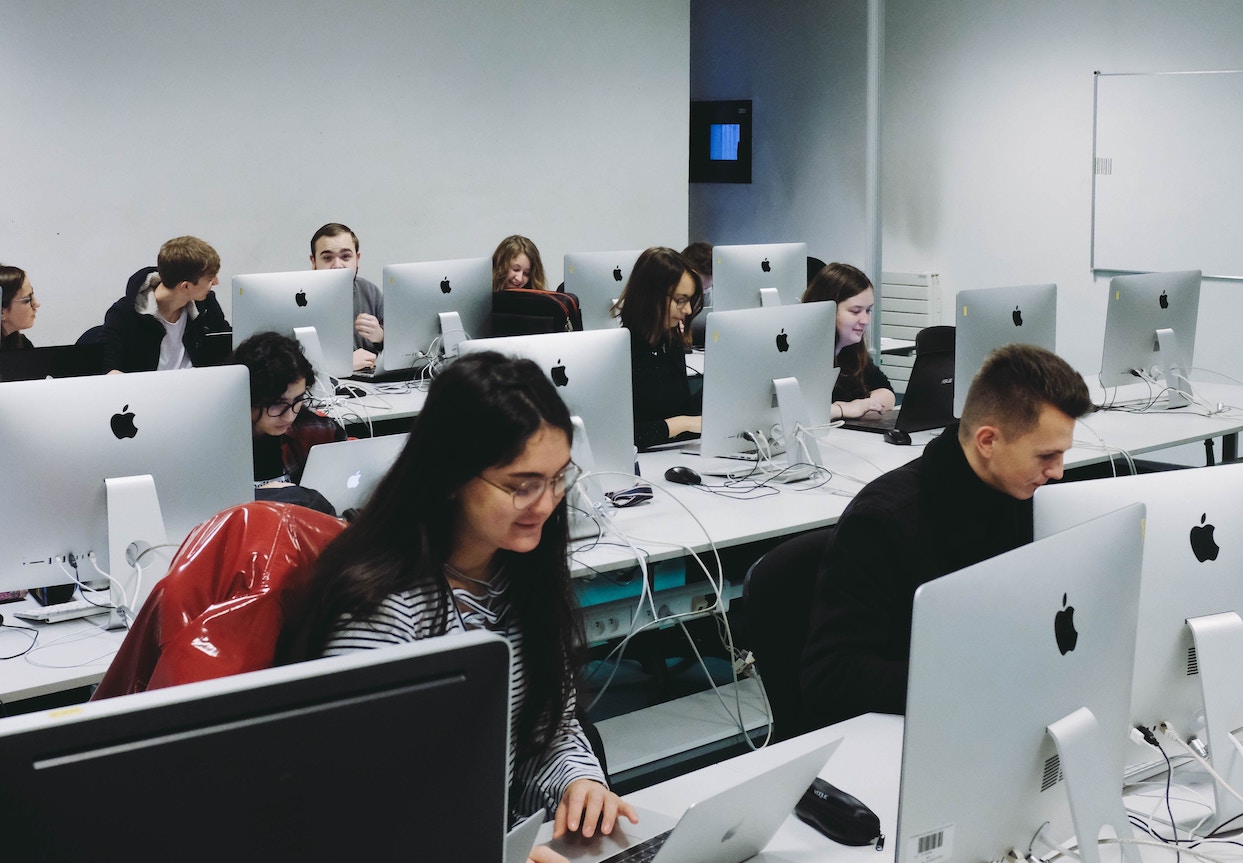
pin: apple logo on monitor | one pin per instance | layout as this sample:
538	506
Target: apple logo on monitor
558	375
445	287
123	424
1203	546
765	266
617	274
1164	300
1017	317
355	478
300	299
783	341
1064	628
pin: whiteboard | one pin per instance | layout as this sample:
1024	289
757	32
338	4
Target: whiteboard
1168	173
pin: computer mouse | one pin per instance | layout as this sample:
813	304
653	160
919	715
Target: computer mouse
351	392
838	815
683	474
897	437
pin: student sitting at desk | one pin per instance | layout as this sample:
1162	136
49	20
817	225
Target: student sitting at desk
468	530
966	499
18	308
335	247
516	264
167	312
283	429
662	292
861	385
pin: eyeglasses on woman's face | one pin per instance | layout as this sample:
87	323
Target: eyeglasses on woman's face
280	408
528	492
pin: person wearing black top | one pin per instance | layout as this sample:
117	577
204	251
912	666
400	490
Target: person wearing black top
966	499
167	312
18	308
861	385
662	292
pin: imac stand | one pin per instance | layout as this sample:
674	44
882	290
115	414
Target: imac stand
1218	641
1092	787
588	493
793	411
135	523
1178	385
452	333
769	298
308	338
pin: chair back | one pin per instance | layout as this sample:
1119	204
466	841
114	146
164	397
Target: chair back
222	609
778	592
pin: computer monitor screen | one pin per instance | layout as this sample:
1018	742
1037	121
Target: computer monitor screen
344	758
745	352
597	279
1190	571
66	438
989	318
999	652
741	273
418	299
322	300
1150	327
591	371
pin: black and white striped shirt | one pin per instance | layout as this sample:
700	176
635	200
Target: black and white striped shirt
412	615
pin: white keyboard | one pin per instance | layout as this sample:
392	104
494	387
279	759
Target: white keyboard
62	611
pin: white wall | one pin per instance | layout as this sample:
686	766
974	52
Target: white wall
803	63
987	135
432	129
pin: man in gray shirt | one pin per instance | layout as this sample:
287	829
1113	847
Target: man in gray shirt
335	246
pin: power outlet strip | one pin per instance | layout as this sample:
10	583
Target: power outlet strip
613	619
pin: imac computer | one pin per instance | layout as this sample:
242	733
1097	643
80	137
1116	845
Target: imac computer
314	306
745	277
1017	699
111	466
1191	573
591	371
431	307
1150	331
597	279
989	318
342	758
768	371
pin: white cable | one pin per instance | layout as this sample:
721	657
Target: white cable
1169	731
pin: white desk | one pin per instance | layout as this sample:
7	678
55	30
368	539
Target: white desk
66	655
868	764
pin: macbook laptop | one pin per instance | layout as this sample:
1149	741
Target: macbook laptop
730	826
927	404
346	472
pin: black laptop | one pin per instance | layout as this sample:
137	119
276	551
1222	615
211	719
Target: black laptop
928	402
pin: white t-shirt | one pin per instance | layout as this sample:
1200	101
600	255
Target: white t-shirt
172	349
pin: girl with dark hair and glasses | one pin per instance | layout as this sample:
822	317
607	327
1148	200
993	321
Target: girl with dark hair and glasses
283	427
656	306
468	530
18	308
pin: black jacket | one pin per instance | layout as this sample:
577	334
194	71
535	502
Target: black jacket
923	520
660	390
132	340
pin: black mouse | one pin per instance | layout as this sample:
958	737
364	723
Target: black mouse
897	437
682	474
351	392
838	815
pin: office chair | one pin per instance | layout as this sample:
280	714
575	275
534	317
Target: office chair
778	591
93	336
814	265
222	608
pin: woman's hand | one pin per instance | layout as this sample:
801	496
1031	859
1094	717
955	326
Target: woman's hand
587	803
877	401
544	854
683	424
